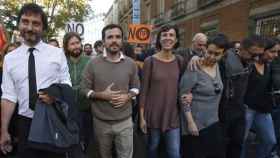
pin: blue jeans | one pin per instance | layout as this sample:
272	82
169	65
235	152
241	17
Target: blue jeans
263	125
276	120
172	142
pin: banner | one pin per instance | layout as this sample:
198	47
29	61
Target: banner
139	33
75	27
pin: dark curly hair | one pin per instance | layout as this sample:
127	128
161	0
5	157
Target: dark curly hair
34	8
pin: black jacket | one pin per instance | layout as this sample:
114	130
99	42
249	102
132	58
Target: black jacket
235	76
54	127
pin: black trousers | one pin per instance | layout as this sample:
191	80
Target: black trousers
209	144
24	150
234	131
86	129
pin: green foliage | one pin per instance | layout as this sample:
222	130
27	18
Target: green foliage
59	12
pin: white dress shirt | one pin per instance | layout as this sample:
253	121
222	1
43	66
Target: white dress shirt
50	65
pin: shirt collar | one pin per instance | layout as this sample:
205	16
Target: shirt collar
38	47
122	57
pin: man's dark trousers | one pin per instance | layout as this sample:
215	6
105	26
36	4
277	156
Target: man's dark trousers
24	151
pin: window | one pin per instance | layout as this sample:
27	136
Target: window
210	28
268	26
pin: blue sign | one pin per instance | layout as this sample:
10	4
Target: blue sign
136	11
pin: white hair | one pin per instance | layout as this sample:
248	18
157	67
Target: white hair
199	36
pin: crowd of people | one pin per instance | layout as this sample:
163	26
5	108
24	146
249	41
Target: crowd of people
197	102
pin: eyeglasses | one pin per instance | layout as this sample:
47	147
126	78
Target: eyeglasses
217	89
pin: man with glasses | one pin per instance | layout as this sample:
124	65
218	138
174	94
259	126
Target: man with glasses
198	48
258	100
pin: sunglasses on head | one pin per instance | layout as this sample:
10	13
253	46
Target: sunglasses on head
217	89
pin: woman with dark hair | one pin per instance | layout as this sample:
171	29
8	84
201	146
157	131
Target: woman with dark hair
159	113
258	101
204	134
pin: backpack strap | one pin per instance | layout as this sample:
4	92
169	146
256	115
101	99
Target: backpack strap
151	71
180	65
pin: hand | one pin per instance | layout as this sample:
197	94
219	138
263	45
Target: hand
46	98
186	99
143	125
5	142
120	100
193	129
194	63
108	94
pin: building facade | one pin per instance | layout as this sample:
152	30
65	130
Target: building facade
235	18
112	16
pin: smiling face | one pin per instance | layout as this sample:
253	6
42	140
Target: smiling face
168	40
31	28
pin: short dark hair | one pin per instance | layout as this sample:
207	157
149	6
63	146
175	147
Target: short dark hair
165	29
128	50
87	44
110	27
254	40
36	9
277	40
54	40
220	40
67	38
269	43
98	44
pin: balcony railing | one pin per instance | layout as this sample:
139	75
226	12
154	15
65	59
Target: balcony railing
205	3
159	19
178	10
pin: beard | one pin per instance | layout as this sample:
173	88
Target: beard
113	51
75	53
88	52
31	37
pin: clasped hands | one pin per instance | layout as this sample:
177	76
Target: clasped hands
117	98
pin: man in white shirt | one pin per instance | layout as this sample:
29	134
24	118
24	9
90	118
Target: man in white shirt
32	66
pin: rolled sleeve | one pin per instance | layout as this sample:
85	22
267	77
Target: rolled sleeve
8	85
64	71
90	93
